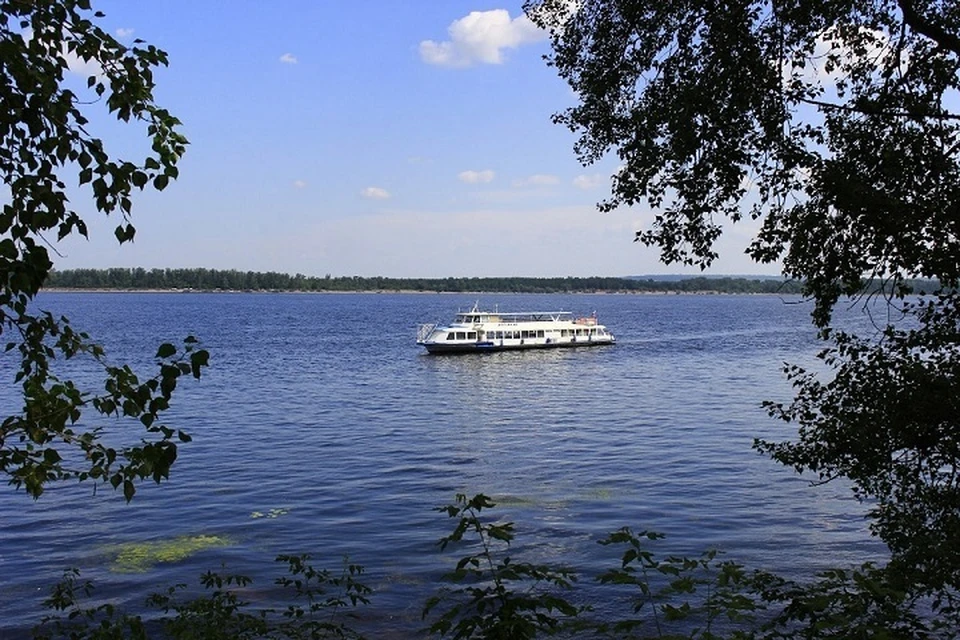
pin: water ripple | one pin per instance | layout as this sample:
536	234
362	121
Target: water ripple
321	408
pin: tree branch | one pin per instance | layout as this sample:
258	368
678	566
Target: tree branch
880	112
936	33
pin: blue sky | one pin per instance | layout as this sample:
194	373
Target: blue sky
377	137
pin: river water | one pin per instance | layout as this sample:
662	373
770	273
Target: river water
320	414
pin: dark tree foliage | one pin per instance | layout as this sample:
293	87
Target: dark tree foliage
232	280
888	422
44	136
827	121
833	125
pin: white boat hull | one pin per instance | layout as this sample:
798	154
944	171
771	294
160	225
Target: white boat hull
488	346
477	332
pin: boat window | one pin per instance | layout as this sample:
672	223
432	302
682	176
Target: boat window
563	333
451	335
471	335
539	333
461	335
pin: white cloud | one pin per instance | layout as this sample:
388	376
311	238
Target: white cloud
375	193
481	37
537	180
288	58
588	182
75	64
81	67
299	184
476	177
124	33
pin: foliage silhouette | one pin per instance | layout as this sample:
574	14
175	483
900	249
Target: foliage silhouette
833	125
496	595
43	134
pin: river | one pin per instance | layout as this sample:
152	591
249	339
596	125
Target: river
320	427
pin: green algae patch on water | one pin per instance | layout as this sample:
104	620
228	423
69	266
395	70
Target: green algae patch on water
140	557
513	501
599	493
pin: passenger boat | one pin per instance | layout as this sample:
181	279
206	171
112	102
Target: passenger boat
475	331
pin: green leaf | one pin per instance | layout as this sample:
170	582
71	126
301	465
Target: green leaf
166	350
128	490
198	359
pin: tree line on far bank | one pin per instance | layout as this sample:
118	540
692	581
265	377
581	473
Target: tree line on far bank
233	280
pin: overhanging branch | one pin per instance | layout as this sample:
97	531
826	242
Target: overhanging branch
881	112
922	26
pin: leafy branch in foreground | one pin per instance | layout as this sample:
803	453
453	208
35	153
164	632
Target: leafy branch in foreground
887	420
669	592
222	614
834	126
865	602
102	621
490	605
43	443
44	134
645	596
320	618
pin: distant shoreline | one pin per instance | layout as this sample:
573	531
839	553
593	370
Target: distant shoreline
202	280
212	280
416	292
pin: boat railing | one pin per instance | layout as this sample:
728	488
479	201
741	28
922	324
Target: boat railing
424	331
